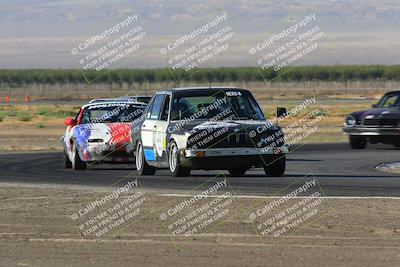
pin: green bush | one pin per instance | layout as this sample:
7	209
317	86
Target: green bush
11	113
45	111
63	113
24	116
2	116
53	111
17	77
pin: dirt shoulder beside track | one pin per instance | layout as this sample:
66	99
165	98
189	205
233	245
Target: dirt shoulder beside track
36	229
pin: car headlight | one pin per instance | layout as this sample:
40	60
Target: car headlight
350	121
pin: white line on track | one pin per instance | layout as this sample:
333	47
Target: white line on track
278	196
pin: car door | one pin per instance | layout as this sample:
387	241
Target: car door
160	134
149	127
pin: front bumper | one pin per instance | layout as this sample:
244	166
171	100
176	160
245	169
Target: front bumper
101	152
241	157
235	152
372	131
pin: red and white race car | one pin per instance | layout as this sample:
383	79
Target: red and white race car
100	133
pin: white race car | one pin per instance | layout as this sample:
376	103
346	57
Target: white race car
100	132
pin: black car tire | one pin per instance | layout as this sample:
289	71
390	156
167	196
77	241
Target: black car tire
276	167
67	162
174	162
357	142
142	167
396	143
77	163
237	172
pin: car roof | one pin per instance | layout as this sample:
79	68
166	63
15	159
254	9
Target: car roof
139	104
216	88
119	99
393	92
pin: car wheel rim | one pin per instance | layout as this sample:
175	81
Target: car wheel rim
139	157
173	158
73	156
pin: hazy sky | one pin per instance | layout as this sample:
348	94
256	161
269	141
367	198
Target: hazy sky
41	33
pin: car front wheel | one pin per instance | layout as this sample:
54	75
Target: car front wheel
237	171
67	162
77	163
142	167
276	167
174	162
357	142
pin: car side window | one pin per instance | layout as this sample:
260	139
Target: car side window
165	109
390	101
156	107
148	109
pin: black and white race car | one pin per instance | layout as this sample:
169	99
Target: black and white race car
215	128
381	124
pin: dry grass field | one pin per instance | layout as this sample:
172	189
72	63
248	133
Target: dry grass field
38	127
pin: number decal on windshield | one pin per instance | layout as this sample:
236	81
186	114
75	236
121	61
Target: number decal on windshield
233	93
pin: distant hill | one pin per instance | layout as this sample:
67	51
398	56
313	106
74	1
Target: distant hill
40	33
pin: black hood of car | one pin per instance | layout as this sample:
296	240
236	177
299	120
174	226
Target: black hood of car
232	133
384	112
234	125
377	116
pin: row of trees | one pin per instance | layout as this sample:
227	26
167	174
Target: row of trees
299	73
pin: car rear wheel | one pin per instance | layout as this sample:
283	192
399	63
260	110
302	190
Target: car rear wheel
237	171
77	163
357	142
142	167
276	167
67	162
174	162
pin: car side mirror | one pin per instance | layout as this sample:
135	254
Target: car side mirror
374	105
281	112
69	121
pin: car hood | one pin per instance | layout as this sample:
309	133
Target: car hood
381	112
233	133
233	125
109	133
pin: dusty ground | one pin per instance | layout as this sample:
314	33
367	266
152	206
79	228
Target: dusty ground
37	230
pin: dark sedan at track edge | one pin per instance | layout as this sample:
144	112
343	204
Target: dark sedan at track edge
381	124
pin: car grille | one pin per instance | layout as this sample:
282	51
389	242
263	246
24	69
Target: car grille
231	140
381	122
238	140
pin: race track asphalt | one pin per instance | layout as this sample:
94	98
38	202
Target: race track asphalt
339	170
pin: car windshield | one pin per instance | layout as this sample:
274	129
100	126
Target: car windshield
215	105
111	113
390	100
